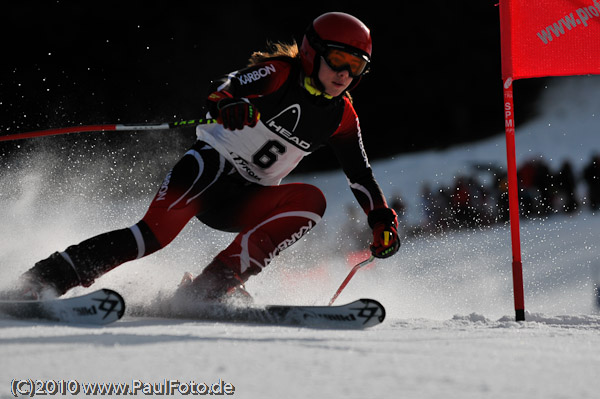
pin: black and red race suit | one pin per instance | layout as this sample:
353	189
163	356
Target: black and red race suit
231	180
293	123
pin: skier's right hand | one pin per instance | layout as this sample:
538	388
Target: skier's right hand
235	113
386	242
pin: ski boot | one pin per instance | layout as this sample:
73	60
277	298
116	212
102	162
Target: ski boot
217	283
47	279
30	288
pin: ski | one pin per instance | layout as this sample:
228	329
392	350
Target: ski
100	307
360	314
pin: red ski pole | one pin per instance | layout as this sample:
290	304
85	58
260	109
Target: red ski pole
105	128
350	275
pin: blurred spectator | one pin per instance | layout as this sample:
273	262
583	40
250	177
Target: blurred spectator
502	206
464	213
398	205
591	175
565	187
468	203
535	188
543	182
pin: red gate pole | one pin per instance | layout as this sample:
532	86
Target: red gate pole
513	199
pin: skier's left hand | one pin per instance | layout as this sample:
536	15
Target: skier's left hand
386	242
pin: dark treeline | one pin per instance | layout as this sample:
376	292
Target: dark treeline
435	78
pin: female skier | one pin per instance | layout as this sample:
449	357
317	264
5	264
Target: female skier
271	114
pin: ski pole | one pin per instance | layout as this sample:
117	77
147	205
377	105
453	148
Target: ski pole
350	275
104	128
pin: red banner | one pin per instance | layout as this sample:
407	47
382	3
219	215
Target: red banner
549	37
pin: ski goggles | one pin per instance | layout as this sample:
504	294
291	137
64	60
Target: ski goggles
341	60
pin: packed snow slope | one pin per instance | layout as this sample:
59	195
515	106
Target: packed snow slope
450	329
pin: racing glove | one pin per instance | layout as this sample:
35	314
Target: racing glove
235	113
384	222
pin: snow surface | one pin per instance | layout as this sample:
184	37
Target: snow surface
450	329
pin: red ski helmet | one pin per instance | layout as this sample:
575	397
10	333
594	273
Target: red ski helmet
336	31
